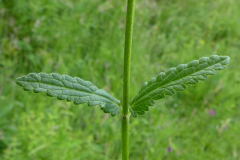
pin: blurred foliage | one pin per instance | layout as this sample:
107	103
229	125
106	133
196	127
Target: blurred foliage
81	37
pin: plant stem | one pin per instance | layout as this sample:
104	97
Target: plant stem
126	79
125	138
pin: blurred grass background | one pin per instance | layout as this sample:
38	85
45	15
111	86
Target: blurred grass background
85	38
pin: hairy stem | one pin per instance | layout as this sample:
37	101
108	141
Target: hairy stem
126	79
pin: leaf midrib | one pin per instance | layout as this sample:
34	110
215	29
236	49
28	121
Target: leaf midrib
170	82
73	90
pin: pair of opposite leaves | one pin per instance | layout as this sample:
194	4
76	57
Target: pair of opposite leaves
79	91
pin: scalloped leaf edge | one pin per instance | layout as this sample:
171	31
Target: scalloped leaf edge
39	82
206	66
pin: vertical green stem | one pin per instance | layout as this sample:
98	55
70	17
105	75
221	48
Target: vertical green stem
126	79
125	138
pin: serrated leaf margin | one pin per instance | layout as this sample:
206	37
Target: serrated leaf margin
54	84
198	69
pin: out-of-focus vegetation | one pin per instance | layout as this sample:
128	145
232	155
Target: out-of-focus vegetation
85	39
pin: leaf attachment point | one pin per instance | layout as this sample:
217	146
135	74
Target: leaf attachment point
71	89
175	80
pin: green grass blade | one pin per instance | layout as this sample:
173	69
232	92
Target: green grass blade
175	80
71	89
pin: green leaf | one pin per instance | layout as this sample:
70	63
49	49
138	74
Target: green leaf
175	80
71	89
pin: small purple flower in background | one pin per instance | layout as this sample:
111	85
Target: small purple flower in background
225	127
211	112
169	149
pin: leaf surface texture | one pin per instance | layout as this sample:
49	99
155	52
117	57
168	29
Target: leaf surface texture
71	89
175	80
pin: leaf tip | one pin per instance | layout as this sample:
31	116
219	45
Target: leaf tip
19	81
225	60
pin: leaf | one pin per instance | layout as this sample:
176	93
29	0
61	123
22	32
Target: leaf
71	89
175	80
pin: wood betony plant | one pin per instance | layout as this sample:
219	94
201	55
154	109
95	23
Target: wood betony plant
167	83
